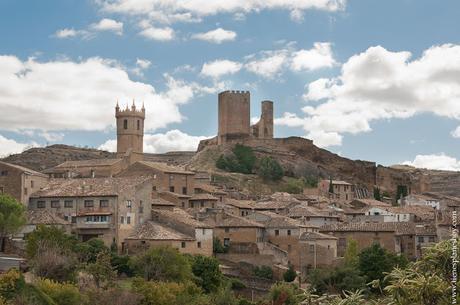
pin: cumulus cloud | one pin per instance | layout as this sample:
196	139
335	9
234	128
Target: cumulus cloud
70	33
320	56
220	67
381	84
159	34
141	66
435	161
173	140
108	25
80	95
171	11
218	36
10	146
269	65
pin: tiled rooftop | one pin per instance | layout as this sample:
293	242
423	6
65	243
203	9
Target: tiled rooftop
43	217
163	167
151	230
180	216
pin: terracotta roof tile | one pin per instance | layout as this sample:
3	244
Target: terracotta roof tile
180	216
35	217
151	230
166	168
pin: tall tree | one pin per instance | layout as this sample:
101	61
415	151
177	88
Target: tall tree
12	218
331	187
351	258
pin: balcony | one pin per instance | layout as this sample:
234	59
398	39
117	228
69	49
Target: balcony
93	225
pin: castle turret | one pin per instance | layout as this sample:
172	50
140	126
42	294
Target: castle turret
130	130
234	120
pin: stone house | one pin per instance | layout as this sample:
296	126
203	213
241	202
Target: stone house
239	207
366	203
19	182
106	208
314	216
201	188
166	178
342	190
317	250
176	220
179	200
365	235
202	201
94	168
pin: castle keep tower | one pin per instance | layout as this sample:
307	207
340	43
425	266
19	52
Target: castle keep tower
130	130
234	120
264	128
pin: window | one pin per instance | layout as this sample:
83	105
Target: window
128	220
227	230
289	232
93	173
31	184
97	218
182	244
104	203
66	217
4	173
203	231
312	248
68	203
41	204
154	188
183	204
154	176
141	207
226	242
171	189
55	204
277	232
25	191
125	124
421	239
201	203
184	190
138	125
198	244
431	239
129	203
74	219
89	203
122	220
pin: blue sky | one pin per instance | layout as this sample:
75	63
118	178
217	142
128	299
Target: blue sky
372	80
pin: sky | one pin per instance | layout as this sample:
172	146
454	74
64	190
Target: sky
367	79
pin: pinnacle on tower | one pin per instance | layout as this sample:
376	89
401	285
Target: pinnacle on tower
133	107
117	107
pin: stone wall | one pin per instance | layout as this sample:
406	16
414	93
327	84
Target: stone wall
234	115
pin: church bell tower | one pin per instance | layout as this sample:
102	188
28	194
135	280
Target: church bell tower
130	130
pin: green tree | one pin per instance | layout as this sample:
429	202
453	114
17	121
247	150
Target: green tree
270	169
206	269
283	293
265	272
351	258
401	192
331	186
11	218
162	264
52	236
375	261
377	194
290	274
246	158
87	251
218	247
293	186
102	270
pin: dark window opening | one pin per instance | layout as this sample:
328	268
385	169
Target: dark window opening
138	125
125	124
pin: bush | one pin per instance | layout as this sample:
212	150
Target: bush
339	279
241	160
52	237
265	272
121	264
218	247
113	296
285	293
293	186
237	284
87	251
162	264
61	293
290	274
270	169
206	269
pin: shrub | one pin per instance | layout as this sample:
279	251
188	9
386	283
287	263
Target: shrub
284	293
237	284
162	264
218	247
270	169
265	272
206	269
293	186
121	264
290	274
61	293
241	160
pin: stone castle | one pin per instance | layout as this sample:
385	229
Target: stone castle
130	131
234	118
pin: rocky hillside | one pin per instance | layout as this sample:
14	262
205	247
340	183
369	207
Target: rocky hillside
41	158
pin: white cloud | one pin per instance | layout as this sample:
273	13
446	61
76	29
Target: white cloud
170	11
381	84
220	67
173	140
435	161
320	56
143	63
52	136
456	133
159	34
297	15
108	25
69	33
270	65
67	95
218	36
10	146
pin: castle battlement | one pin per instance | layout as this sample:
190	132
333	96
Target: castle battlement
132	112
